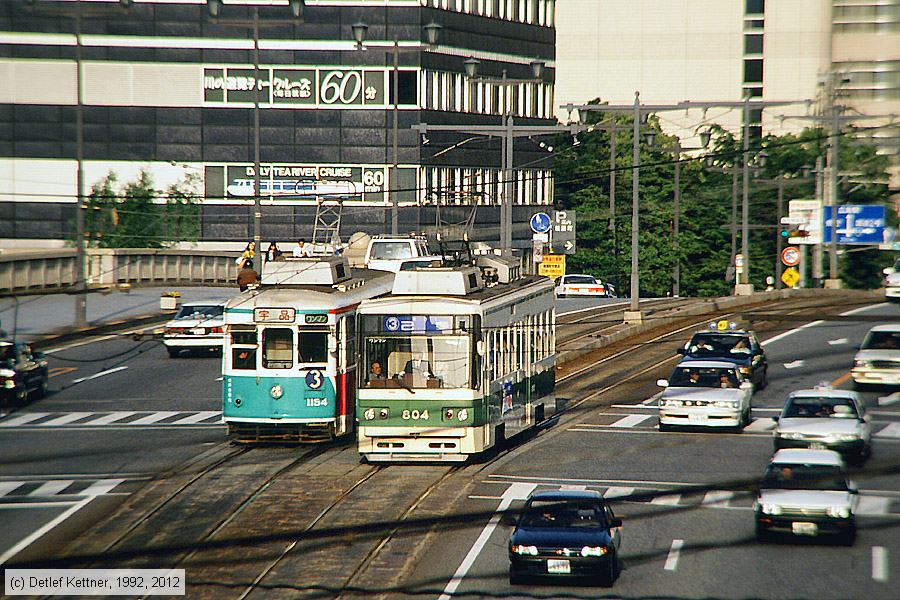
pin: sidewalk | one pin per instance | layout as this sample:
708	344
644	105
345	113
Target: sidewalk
52	314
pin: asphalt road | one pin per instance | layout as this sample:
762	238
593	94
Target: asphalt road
693	545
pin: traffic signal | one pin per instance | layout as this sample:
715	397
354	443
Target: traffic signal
785	233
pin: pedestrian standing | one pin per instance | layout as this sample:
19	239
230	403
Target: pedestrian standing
303	249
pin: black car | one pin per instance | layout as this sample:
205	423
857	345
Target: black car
739	347
565	534
22	372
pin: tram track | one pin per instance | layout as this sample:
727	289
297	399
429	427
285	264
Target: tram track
597	320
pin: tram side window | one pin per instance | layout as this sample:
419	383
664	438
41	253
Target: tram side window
243	358
312	347
278	348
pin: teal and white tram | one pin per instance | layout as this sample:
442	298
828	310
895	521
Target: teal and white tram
461	364
289	361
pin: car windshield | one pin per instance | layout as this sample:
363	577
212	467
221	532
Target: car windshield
715	344
196	311
7	351
709	377
882	340
787	476
559	513
806	406
390	250
573	279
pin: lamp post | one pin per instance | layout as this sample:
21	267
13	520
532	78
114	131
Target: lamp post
506	169
254	24
81	271
432	32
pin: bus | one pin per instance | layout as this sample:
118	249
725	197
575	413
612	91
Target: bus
466	357
289	357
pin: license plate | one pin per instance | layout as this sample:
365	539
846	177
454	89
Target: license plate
697	418
803	528
198	331
558	566
817	446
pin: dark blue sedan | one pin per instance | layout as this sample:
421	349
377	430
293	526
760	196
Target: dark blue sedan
740	347
565	534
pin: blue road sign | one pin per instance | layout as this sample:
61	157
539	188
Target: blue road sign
856	224
540	222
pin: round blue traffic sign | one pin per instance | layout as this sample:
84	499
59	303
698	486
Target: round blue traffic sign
540	222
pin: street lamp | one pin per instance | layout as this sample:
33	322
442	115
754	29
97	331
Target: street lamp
215	8
432	32
471	65
77	15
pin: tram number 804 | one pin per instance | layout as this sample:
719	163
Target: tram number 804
415	414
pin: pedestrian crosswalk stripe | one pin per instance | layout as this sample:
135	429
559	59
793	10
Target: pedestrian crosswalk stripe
631	420
760	425
51	488
8	486
891	431
58	487
118	419
668	500
99	488
617	492
717	498
873	505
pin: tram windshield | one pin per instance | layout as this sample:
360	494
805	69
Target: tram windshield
435	355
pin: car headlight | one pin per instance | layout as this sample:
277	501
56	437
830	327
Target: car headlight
861	364
527	550
7	373
848	437
594	550
670	402
839	512
735	404
771	509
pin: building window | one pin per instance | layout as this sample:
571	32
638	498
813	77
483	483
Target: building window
754	24
755	115
753	43
755	7
754	92
407	81
753	70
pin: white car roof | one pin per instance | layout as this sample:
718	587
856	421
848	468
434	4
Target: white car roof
809	457
706	364
887	327
824	393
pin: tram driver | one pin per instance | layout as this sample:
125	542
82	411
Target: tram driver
418	366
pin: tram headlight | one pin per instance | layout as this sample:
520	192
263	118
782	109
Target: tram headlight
369	414
463	414
383	414
277	391
448	414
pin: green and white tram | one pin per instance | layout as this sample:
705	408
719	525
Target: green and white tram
289	360
461	363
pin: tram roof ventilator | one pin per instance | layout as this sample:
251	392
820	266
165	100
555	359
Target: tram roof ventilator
461	280
317	270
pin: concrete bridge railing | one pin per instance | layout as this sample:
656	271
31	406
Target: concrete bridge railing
45	271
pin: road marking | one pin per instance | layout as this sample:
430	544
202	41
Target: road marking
516	491
841	380
618	492
68	418
764	424
219	378
77	344
110	418
717	498
785	334
200	416
873	505
51	373
793	364
53	504
879	563
37	534
631	420
22	419
669	500
674	553
154	417
100	488
606	482
485	497
573	488
51	488
888	400
100	374
8	486
891	431
838	342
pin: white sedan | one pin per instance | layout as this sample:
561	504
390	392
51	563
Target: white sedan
705	393
196	326
582	285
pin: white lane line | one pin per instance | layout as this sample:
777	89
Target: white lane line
40	532
485	497
52	504
572	488
760	425
618	492
100	488
22	419
8	486
879	563
793	364
84	343
838	342
717	498
888	400
154	417
219	378
516	491
633	406
891	431
110	418
674	553
51	488
671	500
631	420
873	505
581	310
67	418
607	482
100	374
785	334
200	416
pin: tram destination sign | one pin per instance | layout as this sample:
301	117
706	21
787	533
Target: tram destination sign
274	315
418	324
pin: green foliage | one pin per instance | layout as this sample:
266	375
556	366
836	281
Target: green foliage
136	217
582	175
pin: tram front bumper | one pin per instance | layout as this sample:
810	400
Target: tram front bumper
401	444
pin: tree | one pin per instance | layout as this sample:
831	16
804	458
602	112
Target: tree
138	217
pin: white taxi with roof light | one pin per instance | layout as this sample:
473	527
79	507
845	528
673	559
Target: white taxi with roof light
581	285
878	359
806	493
705	393
825	418
196	326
